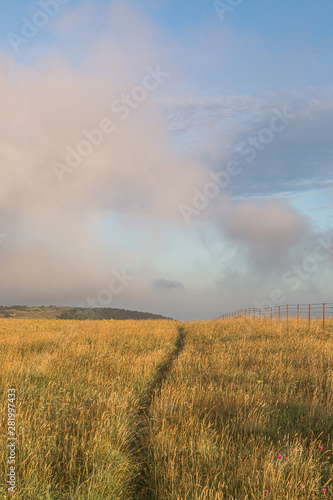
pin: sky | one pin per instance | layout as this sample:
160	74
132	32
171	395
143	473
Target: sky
172	157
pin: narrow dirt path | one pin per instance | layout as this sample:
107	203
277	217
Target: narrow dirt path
140	443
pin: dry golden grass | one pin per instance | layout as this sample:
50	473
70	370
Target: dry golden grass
78	385
245	413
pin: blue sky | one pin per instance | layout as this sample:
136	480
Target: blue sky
228	82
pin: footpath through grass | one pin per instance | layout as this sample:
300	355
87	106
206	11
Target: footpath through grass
245	413
156	410
78	387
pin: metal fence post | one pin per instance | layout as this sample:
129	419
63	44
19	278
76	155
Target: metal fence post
324	316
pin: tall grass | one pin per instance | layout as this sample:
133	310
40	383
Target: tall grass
78	385
245	413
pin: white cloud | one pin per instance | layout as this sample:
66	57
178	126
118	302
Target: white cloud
56	250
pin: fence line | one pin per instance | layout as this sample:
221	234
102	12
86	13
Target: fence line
300	311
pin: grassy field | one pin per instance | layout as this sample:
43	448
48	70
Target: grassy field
147	410
79	386
245	413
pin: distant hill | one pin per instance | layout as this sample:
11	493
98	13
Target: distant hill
81	313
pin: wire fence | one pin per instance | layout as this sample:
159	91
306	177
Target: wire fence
299	312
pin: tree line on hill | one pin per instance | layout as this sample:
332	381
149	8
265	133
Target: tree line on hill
107	313
77	313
